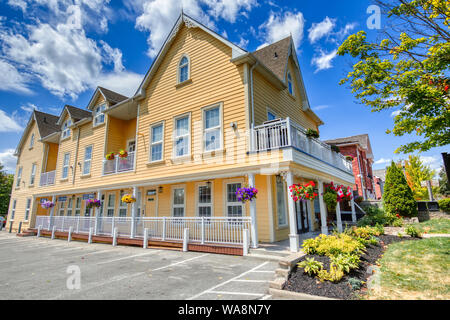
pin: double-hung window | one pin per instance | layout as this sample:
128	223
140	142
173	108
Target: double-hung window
33	174
183	69
19	177
178	202
69	207
111	205
66	129
281	203
78	206
290	83
87	160
182	136
123	206
212	129
156	147
32	141
99	117
27	209
204	203
13	210
234	207
65	166
61	207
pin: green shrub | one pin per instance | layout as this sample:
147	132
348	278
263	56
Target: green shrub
398	197
444	205
334	275
355	283
332	245
311	133
376	216
311	266
412	231
345	262
330	199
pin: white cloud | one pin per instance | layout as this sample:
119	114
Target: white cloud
21	4
395	113
321	29
321	107
323	60
8	123
279	26
243	43
383	161
61	56
8	160
124	82
229	10
29	107
434	162
11	79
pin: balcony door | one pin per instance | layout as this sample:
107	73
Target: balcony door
150	203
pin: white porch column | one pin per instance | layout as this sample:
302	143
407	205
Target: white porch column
52	210
323	212
254	226
293	235
338	217
352	204
134	210
98	213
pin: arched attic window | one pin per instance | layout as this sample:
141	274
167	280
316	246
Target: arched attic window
290	83
183	69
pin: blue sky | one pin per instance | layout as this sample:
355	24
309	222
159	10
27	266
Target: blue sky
55	52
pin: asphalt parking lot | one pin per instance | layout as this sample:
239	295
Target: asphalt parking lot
41	268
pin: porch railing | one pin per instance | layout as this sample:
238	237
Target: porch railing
47	178
119	164
204	230
286	133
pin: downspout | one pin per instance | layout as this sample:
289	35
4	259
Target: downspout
76	157
252	103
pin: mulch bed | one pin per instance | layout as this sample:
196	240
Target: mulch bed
298	281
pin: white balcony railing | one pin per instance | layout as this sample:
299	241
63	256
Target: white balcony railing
219	230
119	164
286	133
47	178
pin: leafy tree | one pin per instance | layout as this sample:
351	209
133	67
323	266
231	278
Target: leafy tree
444	186
398	197
6	182
407	70
416	172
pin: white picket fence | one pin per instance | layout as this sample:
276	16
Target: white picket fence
204	230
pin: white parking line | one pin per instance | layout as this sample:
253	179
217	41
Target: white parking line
244	280
238	293
267	296
129	257
228	281
177	263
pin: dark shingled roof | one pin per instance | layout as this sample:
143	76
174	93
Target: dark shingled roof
77	113
274	56
111	96
46	123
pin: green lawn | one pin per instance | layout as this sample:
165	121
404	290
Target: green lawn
417	269
438	225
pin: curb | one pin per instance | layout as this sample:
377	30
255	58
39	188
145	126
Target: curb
295	295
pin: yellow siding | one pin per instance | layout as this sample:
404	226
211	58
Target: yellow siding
52	156
119	132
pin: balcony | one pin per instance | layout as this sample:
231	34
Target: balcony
286	133
47	178
119	165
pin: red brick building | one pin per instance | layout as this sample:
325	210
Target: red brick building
359	148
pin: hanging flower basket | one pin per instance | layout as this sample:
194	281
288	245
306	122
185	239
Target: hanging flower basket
246	194
93	203
110	156
128	198
301	192
335	148
310	133
123	154
47	204
344	194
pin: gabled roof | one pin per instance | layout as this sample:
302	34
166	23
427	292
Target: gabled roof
110	96
46	124
189	22
362	140
275	56
75	113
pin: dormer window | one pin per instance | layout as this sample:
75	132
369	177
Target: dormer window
183	69
290	84
99	116
66	129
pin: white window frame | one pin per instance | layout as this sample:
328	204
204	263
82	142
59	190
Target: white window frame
13	210
99	114
87	160
65	134
203	204
19	177
179	66
27	210
161	123
237	203
64	165
220	126
61	208
33	174
32	141
69	207
109	207
122	205
128	144
78	200
173	206
290	84
285	203
175	137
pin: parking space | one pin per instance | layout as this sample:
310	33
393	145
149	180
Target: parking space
41	268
